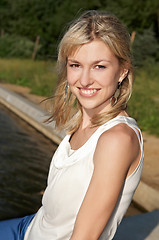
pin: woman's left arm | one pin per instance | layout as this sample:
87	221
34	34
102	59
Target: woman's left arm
116	156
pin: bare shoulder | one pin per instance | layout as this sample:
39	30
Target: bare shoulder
121	135
119	142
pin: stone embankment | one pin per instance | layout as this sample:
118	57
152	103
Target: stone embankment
32	113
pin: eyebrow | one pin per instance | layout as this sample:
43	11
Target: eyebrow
72	60
95	62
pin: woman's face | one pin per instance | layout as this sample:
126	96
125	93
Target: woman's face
93	73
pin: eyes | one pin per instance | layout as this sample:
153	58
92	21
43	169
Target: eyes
100	66
76	66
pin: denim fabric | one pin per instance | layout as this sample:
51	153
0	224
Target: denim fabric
14	229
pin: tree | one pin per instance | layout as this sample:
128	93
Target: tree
48	18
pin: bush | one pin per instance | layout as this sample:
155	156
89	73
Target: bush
145	48
16	46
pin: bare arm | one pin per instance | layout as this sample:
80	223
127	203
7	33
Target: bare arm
117	152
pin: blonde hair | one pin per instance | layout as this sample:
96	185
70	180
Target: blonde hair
91	25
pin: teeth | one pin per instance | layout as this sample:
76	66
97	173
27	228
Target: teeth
88	91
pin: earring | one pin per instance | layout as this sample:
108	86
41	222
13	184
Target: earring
66	91
116	94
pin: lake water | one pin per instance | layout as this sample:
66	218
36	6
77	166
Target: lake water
25	156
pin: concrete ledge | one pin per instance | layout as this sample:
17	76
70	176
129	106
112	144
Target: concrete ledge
31	113
146	197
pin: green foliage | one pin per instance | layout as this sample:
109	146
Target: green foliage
48	18
136	14
16	46
145	47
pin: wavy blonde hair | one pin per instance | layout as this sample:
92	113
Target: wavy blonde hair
90	26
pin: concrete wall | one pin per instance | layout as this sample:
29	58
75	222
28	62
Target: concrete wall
31	113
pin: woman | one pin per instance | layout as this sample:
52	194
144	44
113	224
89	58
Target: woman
97	167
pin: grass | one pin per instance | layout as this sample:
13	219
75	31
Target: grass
40	76
144	103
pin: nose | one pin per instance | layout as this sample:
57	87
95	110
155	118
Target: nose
85	78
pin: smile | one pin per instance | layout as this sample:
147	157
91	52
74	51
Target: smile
88	92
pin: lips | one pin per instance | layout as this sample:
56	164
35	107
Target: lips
88	92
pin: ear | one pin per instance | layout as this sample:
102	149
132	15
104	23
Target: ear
123	74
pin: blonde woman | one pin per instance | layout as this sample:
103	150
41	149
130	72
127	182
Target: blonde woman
97	167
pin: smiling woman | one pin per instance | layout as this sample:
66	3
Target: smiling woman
97	167
94	78
82	36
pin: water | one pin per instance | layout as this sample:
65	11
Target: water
25	156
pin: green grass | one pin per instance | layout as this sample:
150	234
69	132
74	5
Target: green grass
144	103
40	76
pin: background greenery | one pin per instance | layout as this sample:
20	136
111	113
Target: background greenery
39	76
22	21
48	18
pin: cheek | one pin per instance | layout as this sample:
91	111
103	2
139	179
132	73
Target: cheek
112	78
107	80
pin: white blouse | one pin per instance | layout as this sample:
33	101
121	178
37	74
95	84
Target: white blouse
68	180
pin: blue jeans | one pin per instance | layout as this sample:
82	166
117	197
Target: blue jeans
14	229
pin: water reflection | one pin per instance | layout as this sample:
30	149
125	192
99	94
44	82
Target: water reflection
25	156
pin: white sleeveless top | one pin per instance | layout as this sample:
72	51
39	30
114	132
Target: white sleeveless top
69	177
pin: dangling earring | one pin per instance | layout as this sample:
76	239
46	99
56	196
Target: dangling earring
116	94
66	92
